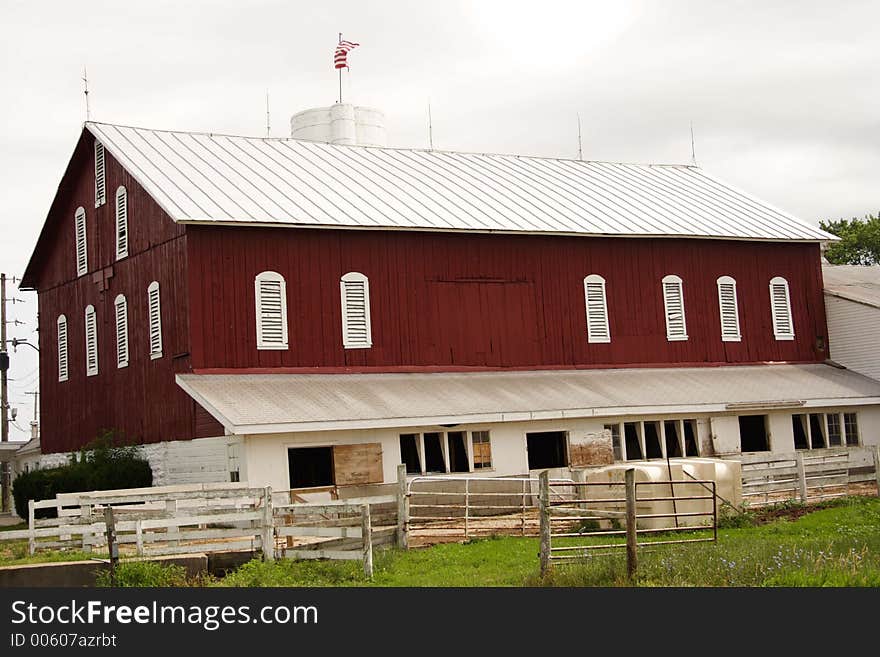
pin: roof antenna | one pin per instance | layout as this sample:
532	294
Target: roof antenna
430	128
693	149
580	148
85	79
268	125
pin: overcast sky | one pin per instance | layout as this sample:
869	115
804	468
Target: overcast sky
784	96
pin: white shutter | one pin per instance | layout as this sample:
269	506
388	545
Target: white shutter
100	175
673	302
155	320
91	342
356	331
121	223
82	255
729	310
62	348
121	331
780	307
597	309
270	292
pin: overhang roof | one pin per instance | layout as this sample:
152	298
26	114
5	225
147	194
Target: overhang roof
273	403
221	179
853	282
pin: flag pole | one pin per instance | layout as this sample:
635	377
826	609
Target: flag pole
340	72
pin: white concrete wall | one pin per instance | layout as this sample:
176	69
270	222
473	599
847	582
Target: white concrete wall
853	336
265	462
204	460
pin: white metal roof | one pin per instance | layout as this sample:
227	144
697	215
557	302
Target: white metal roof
271	403
853	282
198	177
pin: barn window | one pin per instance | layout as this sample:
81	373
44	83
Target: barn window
673	302
82	255
62	348
851	425
91	342
270	292
310	467
547	449
780	307
100	175
651	434
632	441
410	454
728	309
753	433
834	431
614	430
121	331
356	331
482	450
155	320
435	455
121	223
672	441
597	309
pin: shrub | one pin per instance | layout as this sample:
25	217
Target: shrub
100	466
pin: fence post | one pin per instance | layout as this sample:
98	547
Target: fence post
631	537
173	531
85	513
267	536
402	507
801	476
877	467
523	520
367	537
467	505
139	537
544	510
112	545
32	538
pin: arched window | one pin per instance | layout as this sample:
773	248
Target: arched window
728	309
91	341
597	309
121	331
270	292
673	302
62	348
780	308
82	256
356	331
154	310
121	223
100	175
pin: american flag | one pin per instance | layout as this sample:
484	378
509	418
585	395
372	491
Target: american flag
340	57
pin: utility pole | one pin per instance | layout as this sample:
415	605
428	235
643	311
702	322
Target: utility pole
4	396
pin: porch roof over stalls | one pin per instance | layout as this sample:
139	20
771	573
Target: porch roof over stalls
274	403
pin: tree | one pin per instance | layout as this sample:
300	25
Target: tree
859	241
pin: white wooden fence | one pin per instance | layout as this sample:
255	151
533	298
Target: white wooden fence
808	475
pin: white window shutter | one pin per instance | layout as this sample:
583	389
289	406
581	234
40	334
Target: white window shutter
121	223
729	310
121	331
62	348
82	254
100	175
673	302
154	310
270	292
91	341
597	309
780	307
356	330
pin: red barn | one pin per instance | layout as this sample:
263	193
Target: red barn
323	313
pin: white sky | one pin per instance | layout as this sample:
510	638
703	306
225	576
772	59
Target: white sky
784	96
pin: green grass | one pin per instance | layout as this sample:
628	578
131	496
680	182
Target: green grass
835	546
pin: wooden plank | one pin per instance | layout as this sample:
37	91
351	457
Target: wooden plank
348	555
196	548
335	532
358	464
152	523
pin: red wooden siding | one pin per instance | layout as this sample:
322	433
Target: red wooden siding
141	401
455	300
